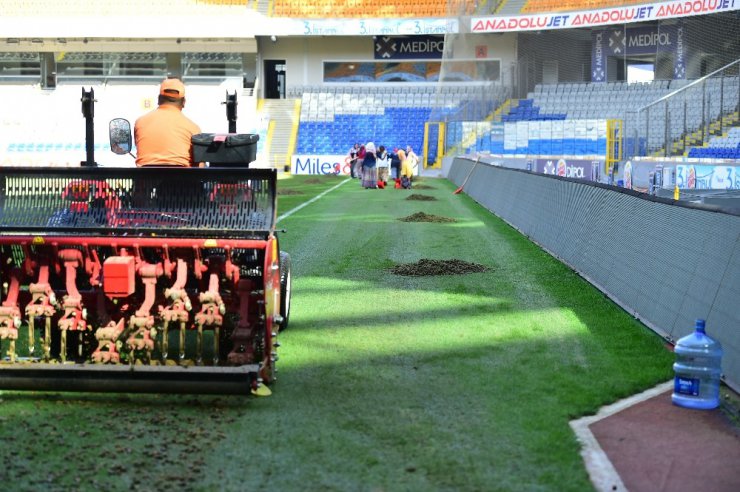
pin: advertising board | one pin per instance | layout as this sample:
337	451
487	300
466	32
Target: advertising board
320	164
570	168
696	177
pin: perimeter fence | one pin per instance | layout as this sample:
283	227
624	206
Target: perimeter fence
666	263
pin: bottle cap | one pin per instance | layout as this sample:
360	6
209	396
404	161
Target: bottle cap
700	324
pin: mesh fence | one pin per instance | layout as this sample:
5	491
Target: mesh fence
657	88
117	201
666	264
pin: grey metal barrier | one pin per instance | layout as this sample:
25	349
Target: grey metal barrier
666	263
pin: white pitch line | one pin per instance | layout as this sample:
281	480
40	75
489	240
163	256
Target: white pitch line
604	476
291	212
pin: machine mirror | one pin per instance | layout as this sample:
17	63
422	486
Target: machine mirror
119	130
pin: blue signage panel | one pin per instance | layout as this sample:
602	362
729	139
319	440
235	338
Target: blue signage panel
642	40
598	57
637	41
679	59
408	47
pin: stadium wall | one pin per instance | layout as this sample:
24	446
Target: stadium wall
304	56
42	128
666	264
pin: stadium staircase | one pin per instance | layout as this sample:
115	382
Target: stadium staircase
726	146
471	140
685	144
525	110
509	7
504	109
261	6
282	115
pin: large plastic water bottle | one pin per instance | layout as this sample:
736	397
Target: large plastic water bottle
697	368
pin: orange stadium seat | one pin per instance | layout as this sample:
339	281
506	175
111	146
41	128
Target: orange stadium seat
69	8
535	6
367	8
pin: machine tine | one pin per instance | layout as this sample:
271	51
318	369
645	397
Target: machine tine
31	335
216	338
210	315
182	341
11	351
63	349
199	346
47	339
165	341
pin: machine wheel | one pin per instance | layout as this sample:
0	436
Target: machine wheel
285	288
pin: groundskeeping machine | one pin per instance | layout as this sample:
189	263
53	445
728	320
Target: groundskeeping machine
142	279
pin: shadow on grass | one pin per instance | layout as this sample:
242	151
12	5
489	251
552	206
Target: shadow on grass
380	421
441	398
131	401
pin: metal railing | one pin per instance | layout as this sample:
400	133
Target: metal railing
686	117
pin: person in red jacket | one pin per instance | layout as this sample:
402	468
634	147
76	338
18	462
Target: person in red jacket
358	162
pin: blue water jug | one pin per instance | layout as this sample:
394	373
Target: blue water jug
697	369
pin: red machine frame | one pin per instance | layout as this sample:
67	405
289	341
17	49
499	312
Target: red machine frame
83	252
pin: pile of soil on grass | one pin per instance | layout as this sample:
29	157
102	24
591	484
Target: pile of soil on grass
313	181
422	217
289	192
421	198
426	267
423	187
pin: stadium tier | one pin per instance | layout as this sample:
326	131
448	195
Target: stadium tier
333	118
317	76
536	6
370	9
570	118
724	147
104	8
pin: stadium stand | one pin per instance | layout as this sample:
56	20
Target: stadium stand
535	6
588	100
334	117
622	101
664	117
527	111
724	147
74	8
689	108
369	9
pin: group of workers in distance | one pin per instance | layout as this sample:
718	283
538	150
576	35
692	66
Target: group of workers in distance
163	137
375	167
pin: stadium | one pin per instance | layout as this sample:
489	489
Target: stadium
584	154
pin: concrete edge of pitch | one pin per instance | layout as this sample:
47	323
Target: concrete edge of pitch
600	470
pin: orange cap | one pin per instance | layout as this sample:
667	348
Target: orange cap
173	88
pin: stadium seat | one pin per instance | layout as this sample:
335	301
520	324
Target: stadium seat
313	9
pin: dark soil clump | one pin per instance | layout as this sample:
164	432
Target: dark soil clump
289	192
426	267
313	181
422	217
423	187
421	198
